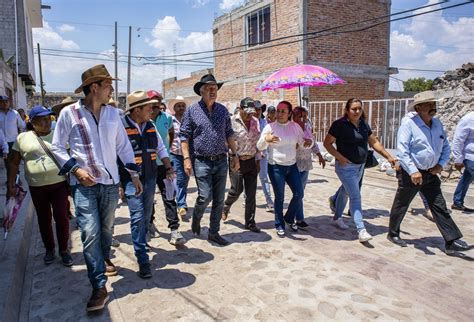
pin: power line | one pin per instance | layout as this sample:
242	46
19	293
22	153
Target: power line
316	32
316	35
421	70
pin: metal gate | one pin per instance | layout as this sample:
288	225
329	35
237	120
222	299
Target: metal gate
384	117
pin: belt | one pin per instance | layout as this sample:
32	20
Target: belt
212	157
246	157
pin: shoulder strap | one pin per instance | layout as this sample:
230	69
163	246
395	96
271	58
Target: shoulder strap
48	151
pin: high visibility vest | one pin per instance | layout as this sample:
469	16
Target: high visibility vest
144	147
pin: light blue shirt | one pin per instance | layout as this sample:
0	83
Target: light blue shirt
421	147
463	142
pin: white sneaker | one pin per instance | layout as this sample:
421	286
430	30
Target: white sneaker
339	223
176	238
364	236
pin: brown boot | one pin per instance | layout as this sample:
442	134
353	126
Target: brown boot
98	299
110	269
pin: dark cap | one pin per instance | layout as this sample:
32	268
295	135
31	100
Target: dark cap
247	102
3	98
271	108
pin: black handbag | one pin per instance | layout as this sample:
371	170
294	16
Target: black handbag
371	161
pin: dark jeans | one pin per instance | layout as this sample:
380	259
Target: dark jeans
210	179
279	175
245	178
44	198
431	189
170	205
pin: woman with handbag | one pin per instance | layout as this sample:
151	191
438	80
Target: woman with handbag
48	189
352	134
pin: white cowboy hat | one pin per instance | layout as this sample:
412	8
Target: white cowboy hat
423	97
138	98
178	99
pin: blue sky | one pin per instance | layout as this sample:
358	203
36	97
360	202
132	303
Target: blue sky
438	41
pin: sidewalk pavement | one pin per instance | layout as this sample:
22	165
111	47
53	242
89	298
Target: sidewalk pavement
318	274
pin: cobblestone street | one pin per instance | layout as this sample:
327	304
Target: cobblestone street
318	274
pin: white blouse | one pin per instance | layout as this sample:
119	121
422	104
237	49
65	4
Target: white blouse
284	151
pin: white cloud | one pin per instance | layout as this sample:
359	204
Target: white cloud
431	41
49	38
66	28
167	32
226	5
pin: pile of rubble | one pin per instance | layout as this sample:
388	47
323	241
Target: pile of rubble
457	88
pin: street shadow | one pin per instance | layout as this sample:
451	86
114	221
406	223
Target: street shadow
182	255
121	220
435	242
169	279
245	236
322	227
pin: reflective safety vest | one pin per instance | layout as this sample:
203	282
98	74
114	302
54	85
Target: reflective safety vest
144	147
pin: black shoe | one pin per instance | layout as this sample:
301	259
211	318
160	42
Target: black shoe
217	239
461	208
292	225
253	227
144	271
196	226
98	299
49	257
397	241
457	246
301	224
66	259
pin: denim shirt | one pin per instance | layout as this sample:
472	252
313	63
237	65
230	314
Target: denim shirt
207	132
421	147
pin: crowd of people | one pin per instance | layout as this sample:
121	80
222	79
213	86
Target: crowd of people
97	154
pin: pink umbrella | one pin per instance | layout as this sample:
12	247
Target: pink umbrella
12	209
300	75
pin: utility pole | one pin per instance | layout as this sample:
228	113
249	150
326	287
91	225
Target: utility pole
175	61
116	64
129	58
41	74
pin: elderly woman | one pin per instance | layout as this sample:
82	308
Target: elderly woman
48	189
351	133
281	139
304	159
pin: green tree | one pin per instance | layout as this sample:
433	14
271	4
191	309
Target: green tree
419	84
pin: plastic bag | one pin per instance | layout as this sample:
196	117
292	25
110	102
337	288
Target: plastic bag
171	187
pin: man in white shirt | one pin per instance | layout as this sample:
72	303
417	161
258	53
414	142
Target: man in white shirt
463	153
11	124
96	137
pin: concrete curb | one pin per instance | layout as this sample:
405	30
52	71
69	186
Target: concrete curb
13	262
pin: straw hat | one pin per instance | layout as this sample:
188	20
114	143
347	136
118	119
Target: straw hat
137	99
94	74
112	102
423	97
65	102
178	99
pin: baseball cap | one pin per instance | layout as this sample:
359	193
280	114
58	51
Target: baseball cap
152	93
271	108
39	110
247	102
3	98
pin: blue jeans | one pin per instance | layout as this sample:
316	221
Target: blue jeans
304	180
211	178
140	209
263	175
350	176
95	213
464	182
182	180
279	175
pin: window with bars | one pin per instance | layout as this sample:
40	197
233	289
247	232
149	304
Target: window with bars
258	26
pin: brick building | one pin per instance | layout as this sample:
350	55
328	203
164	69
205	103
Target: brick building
19	42
252	31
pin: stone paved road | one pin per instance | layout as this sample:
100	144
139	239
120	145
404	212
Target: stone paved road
318	274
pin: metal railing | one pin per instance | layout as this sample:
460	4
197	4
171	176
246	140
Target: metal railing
384	117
